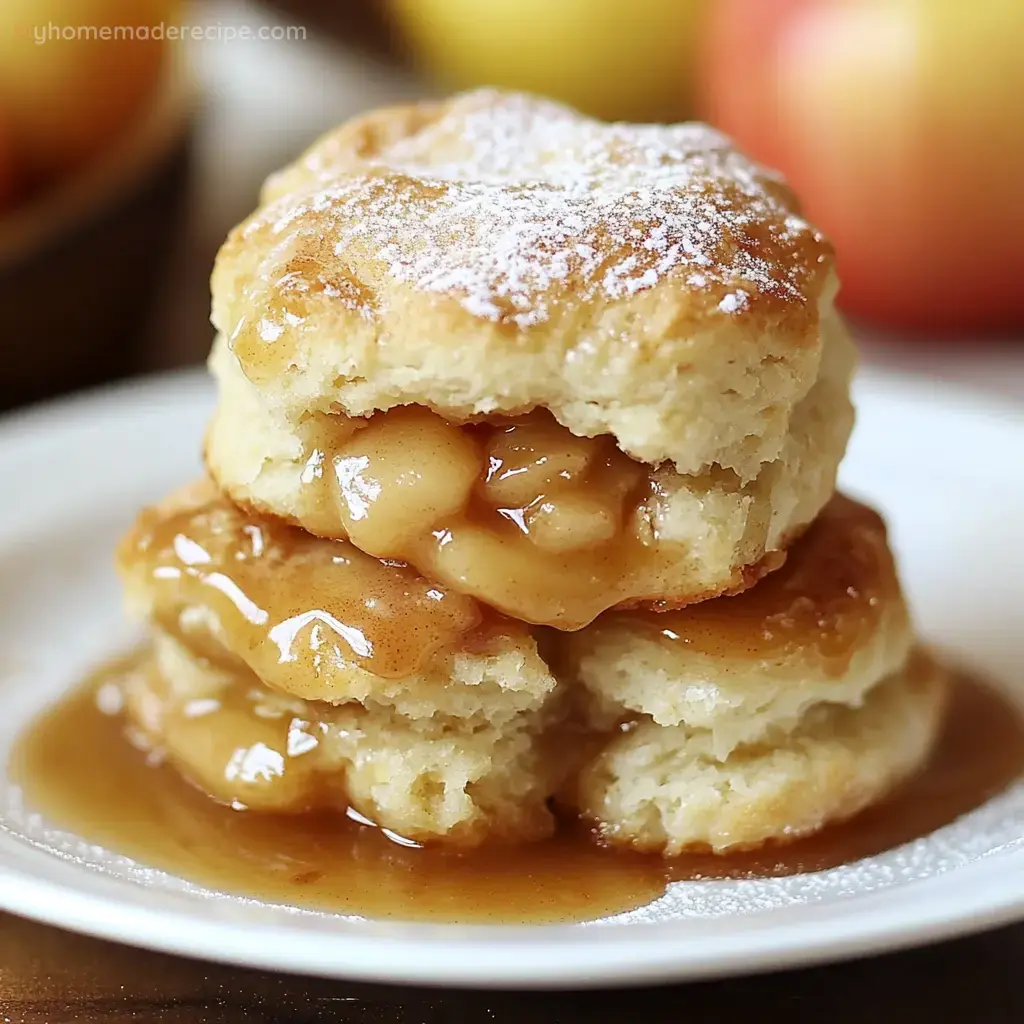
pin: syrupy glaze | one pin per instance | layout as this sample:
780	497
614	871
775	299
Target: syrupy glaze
240	744
838	582
431	778
79	771
287	603
547	527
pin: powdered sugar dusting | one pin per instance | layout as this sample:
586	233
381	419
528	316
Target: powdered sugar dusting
512	204
734	301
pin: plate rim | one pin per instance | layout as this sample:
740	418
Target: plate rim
476	955
532	956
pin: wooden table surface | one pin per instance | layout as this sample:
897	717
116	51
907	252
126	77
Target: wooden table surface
51	977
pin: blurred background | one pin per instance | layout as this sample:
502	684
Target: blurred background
134	133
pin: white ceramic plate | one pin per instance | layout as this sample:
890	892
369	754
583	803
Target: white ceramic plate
945	467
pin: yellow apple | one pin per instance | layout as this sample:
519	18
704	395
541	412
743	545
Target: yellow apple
65	98
899	123
618	59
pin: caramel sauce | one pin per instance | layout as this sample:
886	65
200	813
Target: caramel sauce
297	609
547	527
837	583
79	771
251	747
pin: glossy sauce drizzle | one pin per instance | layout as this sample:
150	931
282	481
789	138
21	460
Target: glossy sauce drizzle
300	611
838	583
79	771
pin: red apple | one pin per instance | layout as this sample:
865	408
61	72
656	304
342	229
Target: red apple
899	123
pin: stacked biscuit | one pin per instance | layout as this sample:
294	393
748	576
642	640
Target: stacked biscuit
521	496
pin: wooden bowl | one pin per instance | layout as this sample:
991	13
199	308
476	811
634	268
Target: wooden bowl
80	265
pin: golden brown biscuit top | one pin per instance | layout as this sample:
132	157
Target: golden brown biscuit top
513	205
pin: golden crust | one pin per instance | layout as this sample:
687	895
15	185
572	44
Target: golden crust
498	253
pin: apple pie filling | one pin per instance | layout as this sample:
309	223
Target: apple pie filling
543	525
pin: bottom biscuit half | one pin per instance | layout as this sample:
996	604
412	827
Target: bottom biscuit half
462	783
428	779
662	788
